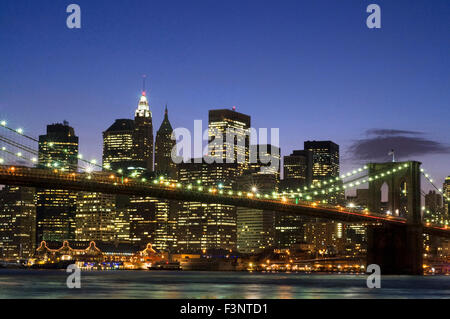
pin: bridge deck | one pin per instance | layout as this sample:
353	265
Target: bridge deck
46	178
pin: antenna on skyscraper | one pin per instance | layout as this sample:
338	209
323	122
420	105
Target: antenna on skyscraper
144	76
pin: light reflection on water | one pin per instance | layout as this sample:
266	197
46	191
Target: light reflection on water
187	284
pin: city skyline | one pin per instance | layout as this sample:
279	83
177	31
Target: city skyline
408	98
224	149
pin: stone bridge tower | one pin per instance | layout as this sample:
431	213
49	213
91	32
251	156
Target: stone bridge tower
398	249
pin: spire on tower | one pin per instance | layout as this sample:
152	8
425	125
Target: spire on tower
144	76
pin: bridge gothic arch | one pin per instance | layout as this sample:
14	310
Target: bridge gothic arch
404	189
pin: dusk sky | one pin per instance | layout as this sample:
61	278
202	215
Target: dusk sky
311	68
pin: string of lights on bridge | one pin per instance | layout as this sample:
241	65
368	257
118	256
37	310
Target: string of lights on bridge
308	193
254	192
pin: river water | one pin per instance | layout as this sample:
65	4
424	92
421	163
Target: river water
190	284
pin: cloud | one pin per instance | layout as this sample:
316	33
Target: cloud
384	132
406	144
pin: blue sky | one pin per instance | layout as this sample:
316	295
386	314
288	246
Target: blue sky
311	68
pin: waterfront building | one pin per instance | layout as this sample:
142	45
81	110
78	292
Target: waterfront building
256	227
17	222
95	217
153	220
206	226
56	208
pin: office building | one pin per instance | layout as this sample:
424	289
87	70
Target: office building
325	159
118	146
95	216
446	197
164	145
434	210
256	227
56	208
17	222
265	159
143	134
235	148
297	170
206	226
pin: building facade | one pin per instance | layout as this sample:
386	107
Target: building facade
265	159
17	222
118	146
325	159
95	217
446	191
56	208
234	148
143	134
297	169
206	226
256	227
164	145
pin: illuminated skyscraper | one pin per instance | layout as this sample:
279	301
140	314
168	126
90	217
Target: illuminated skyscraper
237	146
118	146
265	159
325	167
206	226
17	222
163	149
297	169
446	191
325	159
55	212
143	134
95	217
153	220
59	148
256	227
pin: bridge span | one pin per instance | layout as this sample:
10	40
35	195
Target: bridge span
112	184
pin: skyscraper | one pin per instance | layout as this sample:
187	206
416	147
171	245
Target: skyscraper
163	149
59	148
118	145
206	226
325	166
237	146
256	227
297	169
434	210
95	216
143	134
325	159
17	222
265	159
446	191
55	211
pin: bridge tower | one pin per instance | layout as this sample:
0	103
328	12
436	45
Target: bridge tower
398	249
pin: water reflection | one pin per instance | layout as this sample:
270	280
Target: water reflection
184	284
